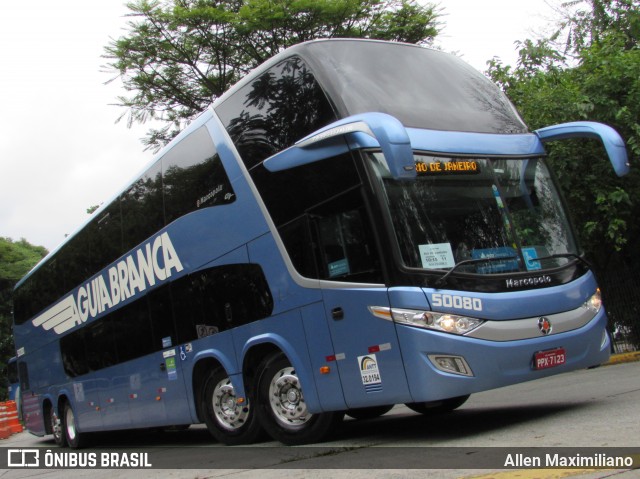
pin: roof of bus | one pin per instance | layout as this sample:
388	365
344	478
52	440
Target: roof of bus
421	87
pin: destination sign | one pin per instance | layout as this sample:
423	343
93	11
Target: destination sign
447	167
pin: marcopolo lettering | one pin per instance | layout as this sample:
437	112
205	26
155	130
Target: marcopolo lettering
526	282
153	262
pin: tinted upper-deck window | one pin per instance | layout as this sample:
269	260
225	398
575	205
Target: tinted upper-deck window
275	110
141	206
193	176
188	177
423	88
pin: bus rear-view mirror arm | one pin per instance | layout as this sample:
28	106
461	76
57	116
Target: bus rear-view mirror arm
612	141
365	130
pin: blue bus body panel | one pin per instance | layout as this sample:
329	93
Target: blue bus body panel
478	144
321	354
368	355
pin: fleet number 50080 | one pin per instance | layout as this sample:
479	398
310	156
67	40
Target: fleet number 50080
454	301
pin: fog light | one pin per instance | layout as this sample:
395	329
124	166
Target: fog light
450	364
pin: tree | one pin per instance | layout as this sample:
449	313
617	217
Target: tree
178	55
16	259
594	74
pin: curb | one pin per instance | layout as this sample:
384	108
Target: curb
623	358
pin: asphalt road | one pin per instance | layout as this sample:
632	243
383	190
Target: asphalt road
598	408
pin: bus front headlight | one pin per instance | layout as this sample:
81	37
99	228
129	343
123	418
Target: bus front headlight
445	322
594	303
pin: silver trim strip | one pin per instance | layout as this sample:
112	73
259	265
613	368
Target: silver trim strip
515	329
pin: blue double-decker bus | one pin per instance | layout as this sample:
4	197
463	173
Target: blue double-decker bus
355	224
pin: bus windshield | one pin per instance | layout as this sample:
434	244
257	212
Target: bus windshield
495	215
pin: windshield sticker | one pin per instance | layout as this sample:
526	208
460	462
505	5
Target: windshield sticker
509	264
436	256
338	268
530	255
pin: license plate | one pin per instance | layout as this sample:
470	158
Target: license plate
549	359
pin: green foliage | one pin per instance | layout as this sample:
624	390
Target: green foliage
590	70
16	259
179	54
602	85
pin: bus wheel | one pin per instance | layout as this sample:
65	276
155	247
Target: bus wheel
282	409
73	438
229	422
56	428
368	412
438	407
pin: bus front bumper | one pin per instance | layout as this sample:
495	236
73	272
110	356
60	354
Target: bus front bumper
440	365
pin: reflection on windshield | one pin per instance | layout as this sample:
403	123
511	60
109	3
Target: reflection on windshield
458	209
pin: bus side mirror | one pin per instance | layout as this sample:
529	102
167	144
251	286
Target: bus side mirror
612	141
365	130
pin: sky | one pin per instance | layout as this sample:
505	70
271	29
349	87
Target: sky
61	150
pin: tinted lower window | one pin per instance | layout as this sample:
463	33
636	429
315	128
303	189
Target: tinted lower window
218	299
162	328
199	305
131	328
319	210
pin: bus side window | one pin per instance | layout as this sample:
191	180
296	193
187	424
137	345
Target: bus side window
193	176
131	328
274	111
101	348
162	327
346	249
220	298
74	354
142	208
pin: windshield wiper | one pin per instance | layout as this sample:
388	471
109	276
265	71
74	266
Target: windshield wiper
566	255
442	279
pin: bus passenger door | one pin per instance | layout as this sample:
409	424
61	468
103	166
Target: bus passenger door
366	350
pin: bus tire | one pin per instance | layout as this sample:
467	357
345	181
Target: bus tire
282	409
372	412
56	428
73	437
438	407
227	421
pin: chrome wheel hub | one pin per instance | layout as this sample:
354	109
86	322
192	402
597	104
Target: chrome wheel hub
70	423
286	399
227	412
